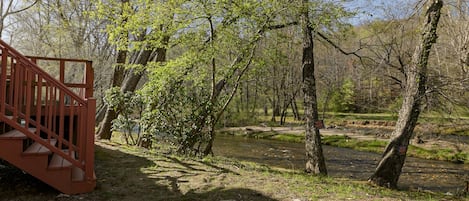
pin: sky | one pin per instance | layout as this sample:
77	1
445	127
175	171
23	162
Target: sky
379	9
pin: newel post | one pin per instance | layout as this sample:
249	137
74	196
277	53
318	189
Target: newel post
90	122
89	78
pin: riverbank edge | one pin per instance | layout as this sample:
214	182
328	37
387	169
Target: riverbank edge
360	142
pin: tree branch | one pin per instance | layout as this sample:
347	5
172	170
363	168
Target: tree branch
396	80
337	47
281	26
21	10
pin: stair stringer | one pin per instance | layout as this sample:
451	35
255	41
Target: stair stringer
37	165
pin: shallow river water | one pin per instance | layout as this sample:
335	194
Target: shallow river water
342	162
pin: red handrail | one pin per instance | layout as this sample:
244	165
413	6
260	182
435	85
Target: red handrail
35	99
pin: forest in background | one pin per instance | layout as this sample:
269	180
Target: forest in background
369	83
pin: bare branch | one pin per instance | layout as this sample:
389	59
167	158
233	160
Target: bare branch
281	26
337	47
20	10
396	80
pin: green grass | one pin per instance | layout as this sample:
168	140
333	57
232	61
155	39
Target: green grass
439	154
429	117
232	178
361	145
323	187
328	188
414	151
462	130
289	138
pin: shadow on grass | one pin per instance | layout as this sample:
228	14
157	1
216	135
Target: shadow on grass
16	185
123	176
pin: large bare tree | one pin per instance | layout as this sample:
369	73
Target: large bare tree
315	162
11	7
390	166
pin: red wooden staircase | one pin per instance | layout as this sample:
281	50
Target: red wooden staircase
46	122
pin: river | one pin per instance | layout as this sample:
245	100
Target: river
342	162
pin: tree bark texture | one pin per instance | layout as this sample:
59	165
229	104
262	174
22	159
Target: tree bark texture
390	166
315	162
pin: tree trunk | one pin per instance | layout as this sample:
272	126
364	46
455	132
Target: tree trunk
247	97
274	108
315	162
215	116
133	76
275	96
211	134
294	106
256	96
130	83
104	128
389	168
101	111
283	116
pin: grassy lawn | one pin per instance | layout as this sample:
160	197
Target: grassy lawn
130	173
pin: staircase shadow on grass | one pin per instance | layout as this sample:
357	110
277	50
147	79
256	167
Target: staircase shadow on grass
14	183
121	177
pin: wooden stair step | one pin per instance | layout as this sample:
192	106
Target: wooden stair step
58	162
78	174
37	148
15	134
9	117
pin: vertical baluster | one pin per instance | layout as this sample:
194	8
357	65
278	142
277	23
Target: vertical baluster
3	80
61	118
20	73
82	141
16	90
11	88
29	93
22	85
39	105
71	114
51	110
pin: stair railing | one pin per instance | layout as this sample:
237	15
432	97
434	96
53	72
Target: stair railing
85	85
30	97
